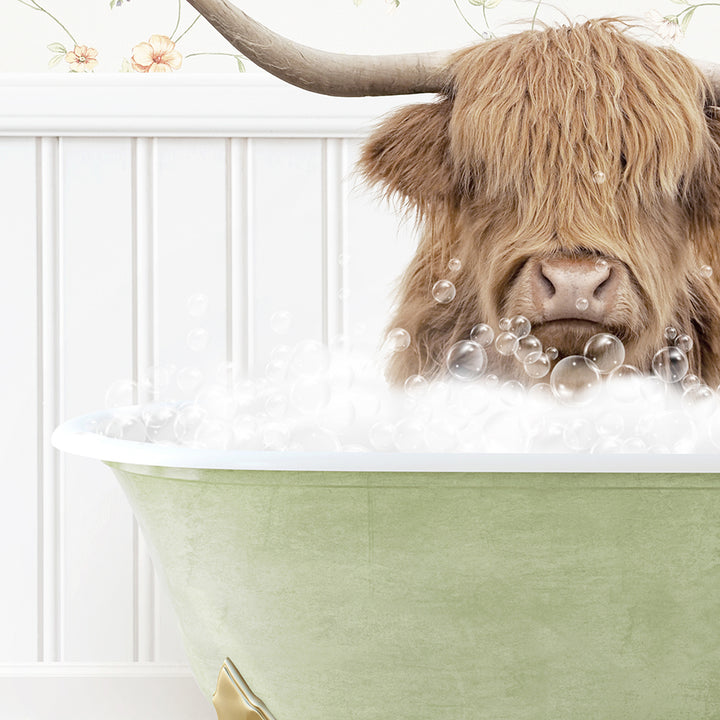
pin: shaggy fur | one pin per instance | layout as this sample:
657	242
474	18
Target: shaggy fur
501	170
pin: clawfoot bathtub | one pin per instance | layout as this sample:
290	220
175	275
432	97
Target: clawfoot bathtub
495	587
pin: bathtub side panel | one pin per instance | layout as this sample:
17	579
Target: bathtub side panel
519	602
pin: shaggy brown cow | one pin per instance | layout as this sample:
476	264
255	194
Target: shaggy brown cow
546	151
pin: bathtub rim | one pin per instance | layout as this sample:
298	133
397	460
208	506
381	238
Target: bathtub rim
73	437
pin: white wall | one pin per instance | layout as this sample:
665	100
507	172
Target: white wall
118	201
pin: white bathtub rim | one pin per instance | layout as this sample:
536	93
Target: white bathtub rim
73	437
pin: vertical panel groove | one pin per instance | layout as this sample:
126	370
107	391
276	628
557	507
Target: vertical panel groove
144	173
238	270
249	256
50	400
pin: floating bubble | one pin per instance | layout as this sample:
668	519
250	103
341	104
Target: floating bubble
689	381
601	265
506	343
599	177
542	392
218	400
684	342
276	370
197	304
699	400
607	446
187	420
520	326
155	381
466	360
552	353
670	333
276	405
454	265
338	415
624	383
397	340
492	380
440	435
513	392
409	435
343	293
670	364
582	304
505	324
610	424
281	322
539	367
444	291
311	439
575	380
416	386
482	334
381	436
121	394
706	271
311	358
529	349
188	379
197	339
123	426
245	433
606	351
275	436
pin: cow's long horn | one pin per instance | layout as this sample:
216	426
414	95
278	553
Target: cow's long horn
324	72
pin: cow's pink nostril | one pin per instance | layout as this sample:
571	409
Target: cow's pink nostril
565	288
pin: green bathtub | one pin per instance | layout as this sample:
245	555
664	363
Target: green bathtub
411	588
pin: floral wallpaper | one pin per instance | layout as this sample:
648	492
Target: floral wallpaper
140	36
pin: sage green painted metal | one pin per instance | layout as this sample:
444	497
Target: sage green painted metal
473	596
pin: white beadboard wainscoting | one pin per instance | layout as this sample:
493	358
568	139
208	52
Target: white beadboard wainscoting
120	197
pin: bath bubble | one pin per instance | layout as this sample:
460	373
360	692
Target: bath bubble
213	434
121	394
187	420
381	436
699	400
160	423
276	404
670	333
455	265
409	435
689	381
634	446
601	265
599	177
338	415
482	334
343	293
440	435
575	380
579	435
706	271
513	393
197	339
684	342
466	360
506	343
505	324
653	390
310	394
245	393
276	370
529	349
156	381
520	326
397	340
607	446
444	291
492	380
670	364
552	353
315	440
197	305
416	386
188	379
310	359
123	425
245	433
281	322
218	401
582	304
227	373
610	424
542	392
275	436
606	351
539	367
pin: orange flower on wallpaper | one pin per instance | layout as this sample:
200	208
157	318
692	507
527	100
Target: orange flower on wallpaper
158	54
82	58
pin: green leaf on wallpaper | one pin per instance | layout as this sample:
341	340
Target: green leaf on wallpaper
57	48
54	60
241	65
686	20
681	2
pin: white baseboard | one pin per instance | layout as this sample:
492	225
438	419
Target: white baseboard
139	691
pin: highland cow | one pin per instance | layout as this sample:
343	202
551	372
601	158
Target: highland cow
545	151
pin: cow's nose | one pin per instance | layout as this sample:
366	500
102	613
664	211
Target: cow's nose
575	288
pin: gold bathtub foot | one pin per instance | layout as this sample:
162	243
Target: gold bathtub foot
234	700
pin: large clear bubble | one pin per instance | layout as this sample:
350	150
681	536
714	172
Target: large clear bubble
575	380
